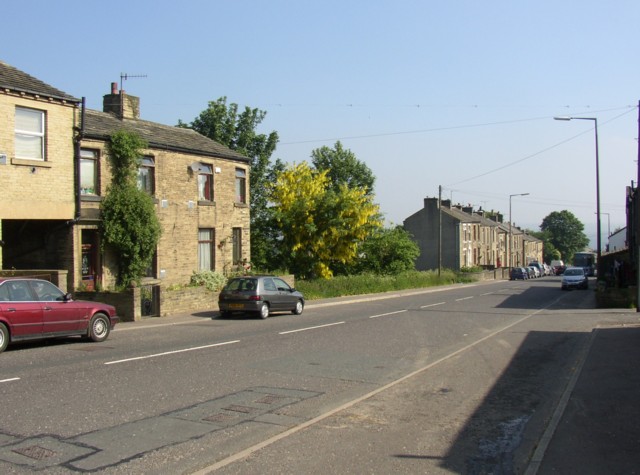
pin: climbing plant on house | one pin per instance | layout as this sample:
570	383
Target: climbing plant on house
129	226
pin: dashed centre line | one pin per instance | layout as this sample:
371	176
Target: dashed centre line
388	313
310	328
172	352
8	380
464	298
433	304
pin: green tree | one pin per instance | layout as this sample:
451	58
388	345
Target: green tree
225	124
388	251
129	224
343	168
319	224
565	232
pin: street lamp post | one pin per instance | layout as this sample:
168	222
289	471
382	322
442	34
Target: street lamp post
595	128
510	226
608	215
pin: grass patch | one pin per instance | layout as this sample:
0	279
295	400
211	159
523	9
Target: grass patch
370	284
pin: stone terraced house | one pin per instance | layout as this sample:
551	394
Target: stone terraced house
54	172
468	238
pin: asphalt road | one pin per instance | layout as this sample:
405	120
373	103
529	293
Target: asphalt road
455	380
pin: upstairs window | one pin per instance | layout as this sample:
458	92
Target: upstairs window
241	186
205	182
30	136
89	172
147	175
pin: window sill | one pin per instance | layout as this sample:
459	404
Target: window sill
90	198
206	203
31	163
240	205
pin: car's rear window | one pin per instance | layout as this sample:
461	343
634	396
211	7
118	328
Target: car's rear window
242	284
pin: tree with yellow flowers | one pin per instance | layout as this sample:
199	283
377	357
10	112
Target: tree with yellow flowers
321	223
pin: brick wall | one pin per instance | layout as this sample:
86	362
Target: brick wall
50	182
181	215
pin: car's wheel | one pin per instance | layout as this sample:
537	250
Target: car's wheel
4	337
99	327
264	311
299	308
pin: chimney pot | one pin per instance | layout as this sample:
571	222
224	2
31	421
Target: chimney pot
114	88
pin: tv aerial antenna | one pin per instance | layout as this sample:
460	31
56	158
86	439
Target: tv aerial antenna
125	76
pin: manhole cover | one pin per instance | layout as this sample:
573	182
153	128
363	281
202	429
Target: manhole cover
237	408
270	399
219	418
35	452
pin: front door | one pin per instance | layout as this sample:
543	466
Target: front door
89	259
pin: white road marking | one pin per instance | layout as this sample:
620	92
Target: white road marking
8	380
389	313
464	298
172	352
310	328
265	443
433	305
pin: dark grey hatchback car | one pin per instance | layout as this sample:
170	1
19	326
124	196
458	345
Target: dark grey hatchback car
261	294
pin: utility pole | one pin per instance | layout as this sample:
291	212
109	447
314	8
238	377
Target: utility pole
636	220
439	230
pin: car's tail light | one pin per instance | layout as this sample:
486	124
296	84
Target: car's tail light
256	298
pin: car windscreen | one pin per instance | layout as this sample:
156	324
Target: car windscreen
573	272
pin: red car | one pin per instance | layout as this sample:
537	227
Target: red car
32	309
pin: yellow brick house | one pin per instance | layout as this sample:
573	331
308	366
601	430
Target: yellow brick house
37	199
54	172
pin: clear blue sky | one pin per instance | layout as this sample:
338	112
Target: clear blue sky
458	93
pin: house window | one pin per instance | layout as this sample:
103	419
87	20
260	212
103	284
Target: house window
205	182
89	172
147	175
241	185
29	134
205	249
237	245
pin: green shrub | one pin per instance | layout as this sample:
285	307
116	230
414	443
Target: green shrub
371	283
212	280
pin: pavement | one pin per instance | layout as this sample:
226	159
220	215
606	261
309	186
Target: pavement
596	426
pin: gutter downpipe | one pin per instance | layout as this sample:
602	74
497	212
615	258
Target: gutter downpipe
77	139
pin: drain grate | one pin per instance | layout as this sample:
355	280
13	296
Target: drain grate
35	452
238	408
219	418
270	399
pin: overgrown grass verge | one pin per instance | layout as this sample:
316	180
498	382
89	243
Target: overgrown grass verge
370	284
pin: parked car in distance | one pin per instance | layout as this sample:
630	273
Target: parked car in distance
539	269
518	273
531	271
260	295
557	267
574	278
33	309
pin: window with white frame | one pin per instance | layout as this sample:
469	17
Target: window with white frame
29	134
89	172
241	185
206	249
205	182
147	175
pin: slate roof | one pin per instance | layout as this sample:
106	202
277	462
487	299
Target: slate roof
100	125
16	80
